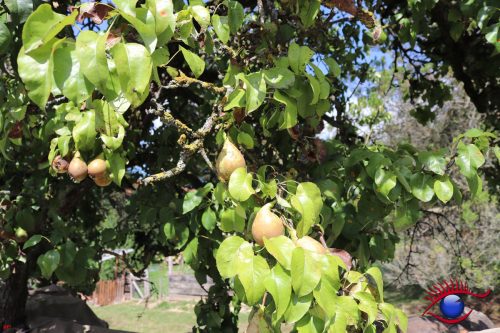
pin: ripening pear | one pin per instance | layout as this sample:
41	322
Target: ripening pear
266	224
97	168
59	164
310	244
103	180
229	159
77	169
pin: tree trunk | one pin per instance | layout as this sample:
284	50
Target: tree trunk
13	296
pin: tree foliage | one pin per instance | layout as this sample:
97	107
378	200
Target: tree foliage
155	95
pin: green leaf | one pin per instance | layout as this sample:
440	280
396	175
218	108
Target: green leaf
232	221
443	188
376	275
194	198
235	15
36	70
421	187
164	17
278	284
194	62
126	6
433	161
227	254
201	15
316	88
279	77
385	181
134	65
308	12
116	166
235	99
298	307
209	219
84	132
143	21
5	38
406	214
305	272
368	305
34	240
43	25
67	75
48	263
246	140
91	52
19	9
325	295
496	150
252	271
308	202
333	66
299	57
255	87
281	249
240	184
289	118
221	27
469	159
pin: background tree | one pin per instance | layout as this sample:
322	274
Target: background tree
148	102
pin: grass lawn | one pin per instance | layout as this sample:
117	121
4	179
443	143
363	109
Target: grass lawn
175	316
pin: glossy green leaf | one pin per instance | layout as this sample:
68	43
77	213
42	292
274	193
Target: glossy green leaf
235	99
36	70
278	284
235	15
48	263
143	20
240	184
305	272
43	25
117	165
298	307
469	159
231	221
126	6
221	27
194	62
333	66
19	9
299	57
91	52
308	12
255	87
308	202
496	150
134	65
281	249
194	198
406	214
433	161
201	15
5	38
289	118
367	304
209	219
422	187
164	17
227	254
443	188
84	132
67	75
252	271
376	275
385	181
279	77
325	294
32	241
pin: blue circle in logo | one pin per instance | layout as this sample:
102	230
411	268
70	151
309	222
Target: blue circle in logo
451	306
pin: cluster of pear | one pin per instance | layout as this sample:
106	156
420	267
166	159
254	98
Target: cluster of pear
78	169
266	223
